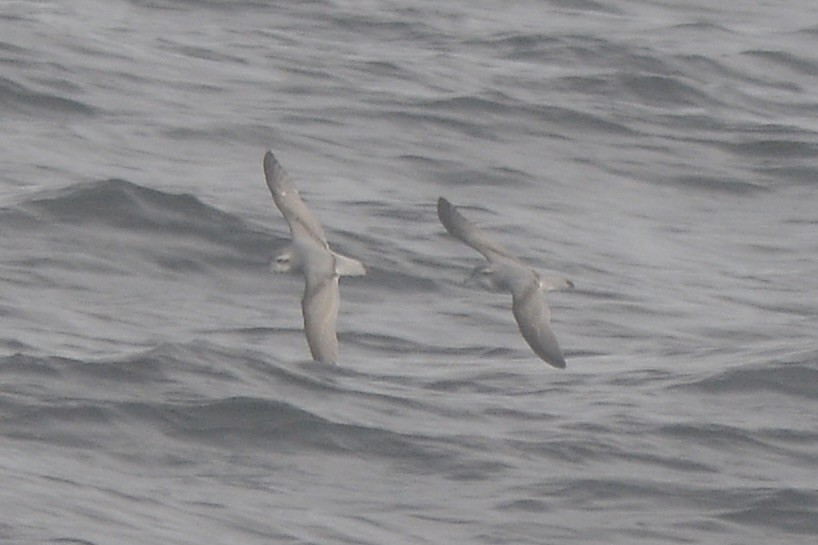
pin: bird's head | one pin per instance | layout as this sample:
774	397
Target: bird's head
285	260
483	276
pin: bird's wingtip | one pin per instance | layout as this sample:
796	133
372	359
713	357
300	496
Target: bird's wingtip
559	364
443	204
444	211
269	159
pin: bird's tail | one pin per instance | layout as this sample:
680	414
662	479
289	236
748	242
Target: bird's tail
347	266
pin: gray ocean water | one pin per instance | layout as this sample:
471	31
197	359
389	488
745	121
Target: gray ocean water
155	384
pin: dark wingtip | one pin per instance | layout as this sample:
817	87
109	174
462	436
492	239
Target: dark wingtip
549	352
442	205
273	170
269	161
444	211
556	360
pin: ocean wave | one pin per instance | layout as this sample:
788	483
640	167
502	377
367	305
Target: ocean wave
264	404
175	231
119	203
18	98
790	510
787	379
472	112
667	91
787	60
727	184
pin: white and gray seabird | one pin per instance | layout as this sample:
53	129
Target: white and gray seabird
310	253
504	272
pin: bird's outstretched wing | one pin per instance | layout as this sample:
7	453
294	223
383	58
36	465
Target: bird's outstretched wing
320	306
460	227
301	220
534	319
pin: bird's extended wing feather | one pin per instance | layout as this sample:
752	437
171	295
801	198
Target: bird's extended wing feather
320	308
301	221
533	317
460	227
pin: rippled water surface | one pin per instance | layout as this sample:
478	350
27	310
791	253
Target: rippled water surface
155	385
